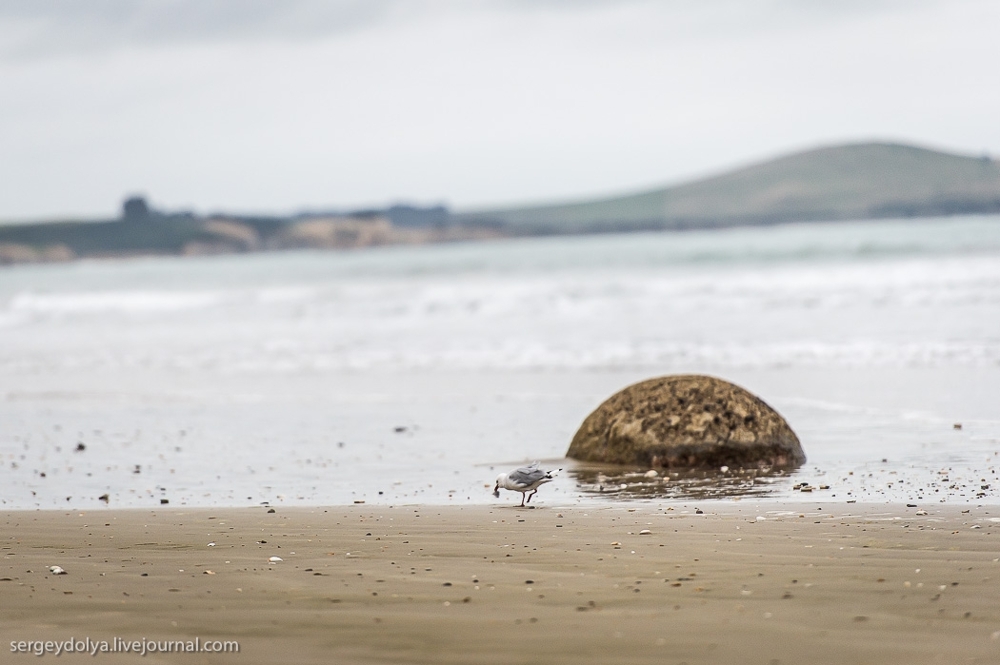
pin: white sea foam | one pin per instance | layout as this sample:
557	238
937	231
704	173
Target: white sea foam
104	302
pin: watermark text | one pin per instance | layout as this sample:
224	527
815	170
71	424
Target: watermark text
141	647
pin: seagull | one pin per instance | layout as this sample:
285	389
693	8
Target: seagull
523	480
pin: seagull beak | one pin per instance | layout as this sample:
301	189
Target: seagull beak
496	490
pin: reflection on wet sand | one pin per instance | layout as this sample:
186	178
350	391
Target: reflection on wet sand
635	483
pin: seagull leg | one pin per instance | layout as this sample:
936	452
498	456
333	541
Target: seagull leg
533	493
522	500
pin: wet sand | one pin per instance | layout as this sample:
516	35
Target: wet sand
738	583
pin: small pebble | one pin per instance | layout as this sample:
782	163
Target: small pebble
57	570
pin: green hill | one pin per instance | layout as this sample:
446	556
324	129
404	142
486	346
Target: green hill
862	181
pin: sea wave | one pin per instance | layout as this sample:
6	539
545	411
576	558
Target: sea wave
608	302
291	358
917	282
101	302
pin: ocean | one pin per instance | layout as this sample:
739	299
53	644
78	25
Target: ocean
413	375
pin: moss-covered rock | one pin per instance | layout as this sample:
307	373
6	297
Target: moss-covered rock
687	421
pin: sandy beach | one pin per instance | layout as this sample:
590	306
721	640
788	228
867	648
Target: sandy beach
733	582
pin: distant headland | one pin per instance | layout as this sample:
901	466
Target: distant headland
848	182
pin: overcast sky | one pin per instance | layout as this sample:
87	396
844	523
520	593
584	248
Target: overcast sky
254	105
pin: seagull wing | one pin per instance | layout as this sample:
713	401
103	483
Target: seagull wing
527	475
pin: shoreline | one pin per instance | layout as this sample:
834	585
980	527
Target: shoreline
736	582
874	434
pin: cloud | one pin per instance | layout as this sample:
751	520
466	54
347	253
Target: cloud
272	106
38	29
42	28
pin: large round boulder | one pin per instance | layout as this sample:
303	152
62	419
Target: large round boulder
687	421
